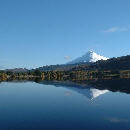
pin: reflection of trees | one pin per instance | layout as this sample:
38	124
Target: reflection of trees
114	85
121	85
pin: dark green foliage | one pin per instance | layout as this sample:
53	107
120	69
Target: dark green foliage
37	72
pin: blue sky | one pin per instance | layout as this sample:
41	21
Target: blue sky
34	33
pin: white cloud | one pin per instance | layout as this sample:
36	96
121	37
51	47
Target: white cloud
113	29
67	57
116	29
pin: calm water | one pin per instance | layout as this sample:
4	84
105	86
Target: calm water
30	105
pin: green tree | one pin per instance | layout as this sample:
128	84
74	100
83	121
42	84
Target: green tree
37	72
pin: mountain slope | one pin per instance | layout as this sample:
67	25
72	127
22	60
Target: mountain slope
89	57
119	63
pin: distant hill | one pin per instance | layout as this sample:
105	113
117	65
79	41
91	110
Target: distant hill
17	70
63	67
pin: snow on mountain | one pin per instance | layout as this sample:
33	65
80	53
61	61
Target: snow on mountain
88	57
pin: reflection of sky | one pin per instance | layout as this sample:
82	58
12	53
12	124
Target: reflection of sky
27	105
117	120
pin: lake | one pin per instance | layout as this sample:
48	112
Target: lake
62	105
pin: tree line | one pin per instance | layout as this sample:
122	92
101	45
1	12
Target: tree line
65	75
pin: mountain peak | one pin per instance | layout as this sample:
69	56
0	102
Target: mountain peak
90	51
89	57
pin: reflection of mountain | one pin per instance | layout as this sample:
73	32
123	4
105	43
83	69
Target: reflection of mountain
90	93
97	92
85	90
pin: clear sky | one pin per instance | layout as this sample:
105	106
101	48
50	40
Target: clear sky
34	33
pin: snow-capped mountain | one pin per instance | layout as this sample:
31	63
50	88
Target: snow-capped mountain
89	57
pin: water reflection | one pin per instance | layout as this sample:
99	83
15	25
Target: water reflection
87	91
62	105
92	89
